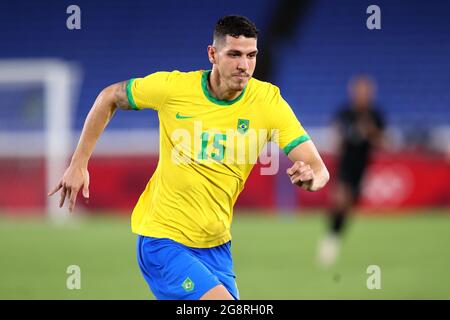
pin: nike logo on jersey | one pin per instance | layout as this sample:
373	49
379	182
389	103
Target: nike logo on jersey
179	116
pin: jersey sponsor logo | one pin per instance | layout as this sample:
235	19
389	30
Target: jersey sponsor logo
179	116
242	125
188	285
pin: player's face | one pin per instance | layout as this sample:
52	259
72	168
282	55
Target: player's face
362	92
235	59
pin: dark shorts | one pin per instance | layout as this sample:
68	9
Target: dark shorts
351	176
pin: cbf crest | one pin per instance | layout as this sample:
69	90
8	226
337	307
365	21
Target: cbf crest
242	125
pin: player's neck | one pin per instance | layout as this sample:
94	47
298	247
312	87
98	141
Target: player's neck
218	89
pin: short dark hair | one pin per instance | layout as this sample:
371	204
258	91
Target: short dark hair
235	26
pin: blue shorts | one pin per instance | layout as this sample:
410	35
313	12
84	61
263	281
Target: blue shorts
174	271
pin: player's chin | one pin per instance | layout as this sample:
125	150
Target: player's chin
240	84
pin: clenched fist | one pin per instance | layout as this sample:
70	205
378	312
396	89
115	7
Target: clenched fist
301	174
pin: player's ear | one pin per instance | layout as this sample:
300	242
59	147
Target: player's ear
211	54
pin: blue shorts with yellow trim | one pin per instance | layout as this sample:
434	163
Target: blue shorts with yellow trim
174	271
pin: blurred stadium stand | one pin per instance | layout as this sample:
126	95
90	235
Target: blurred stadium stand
119	40
409	57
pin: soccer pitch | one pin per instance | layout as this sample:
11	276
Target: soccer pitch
274	258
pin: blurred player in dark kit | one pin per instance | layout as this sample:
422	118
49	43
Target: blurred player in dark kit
357	127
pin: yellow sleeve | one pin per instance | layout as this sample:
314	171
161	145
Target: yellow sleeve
149	92
289	132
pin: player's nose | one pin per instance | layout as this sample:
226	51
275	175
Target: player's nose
243	64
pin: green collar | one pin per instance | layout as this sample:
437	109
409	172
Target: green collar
208	95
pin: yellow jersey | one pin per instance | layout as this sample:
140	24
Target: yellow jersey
207	150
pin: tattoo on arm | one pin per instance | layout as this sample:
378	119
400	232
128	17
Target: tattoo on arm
120	95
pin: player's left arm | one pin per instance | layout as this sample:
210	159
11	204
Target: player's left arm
308	171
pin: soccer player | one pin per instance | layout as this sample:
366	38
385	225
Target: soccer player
184	215
358	128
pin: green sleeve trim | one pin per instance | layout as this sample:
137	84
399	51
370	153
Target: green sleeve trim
295	143
130	95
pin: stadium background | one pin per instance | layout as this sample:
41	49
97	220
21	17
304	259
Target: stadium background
310	49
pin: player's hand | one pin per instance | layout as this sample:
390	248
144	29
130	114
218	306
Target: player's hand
301	174
73	180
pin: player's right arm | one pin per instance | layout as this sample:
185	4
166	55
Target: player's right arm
76	175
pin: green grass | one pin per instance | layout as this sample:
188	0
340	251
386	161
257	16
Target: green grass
274	258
